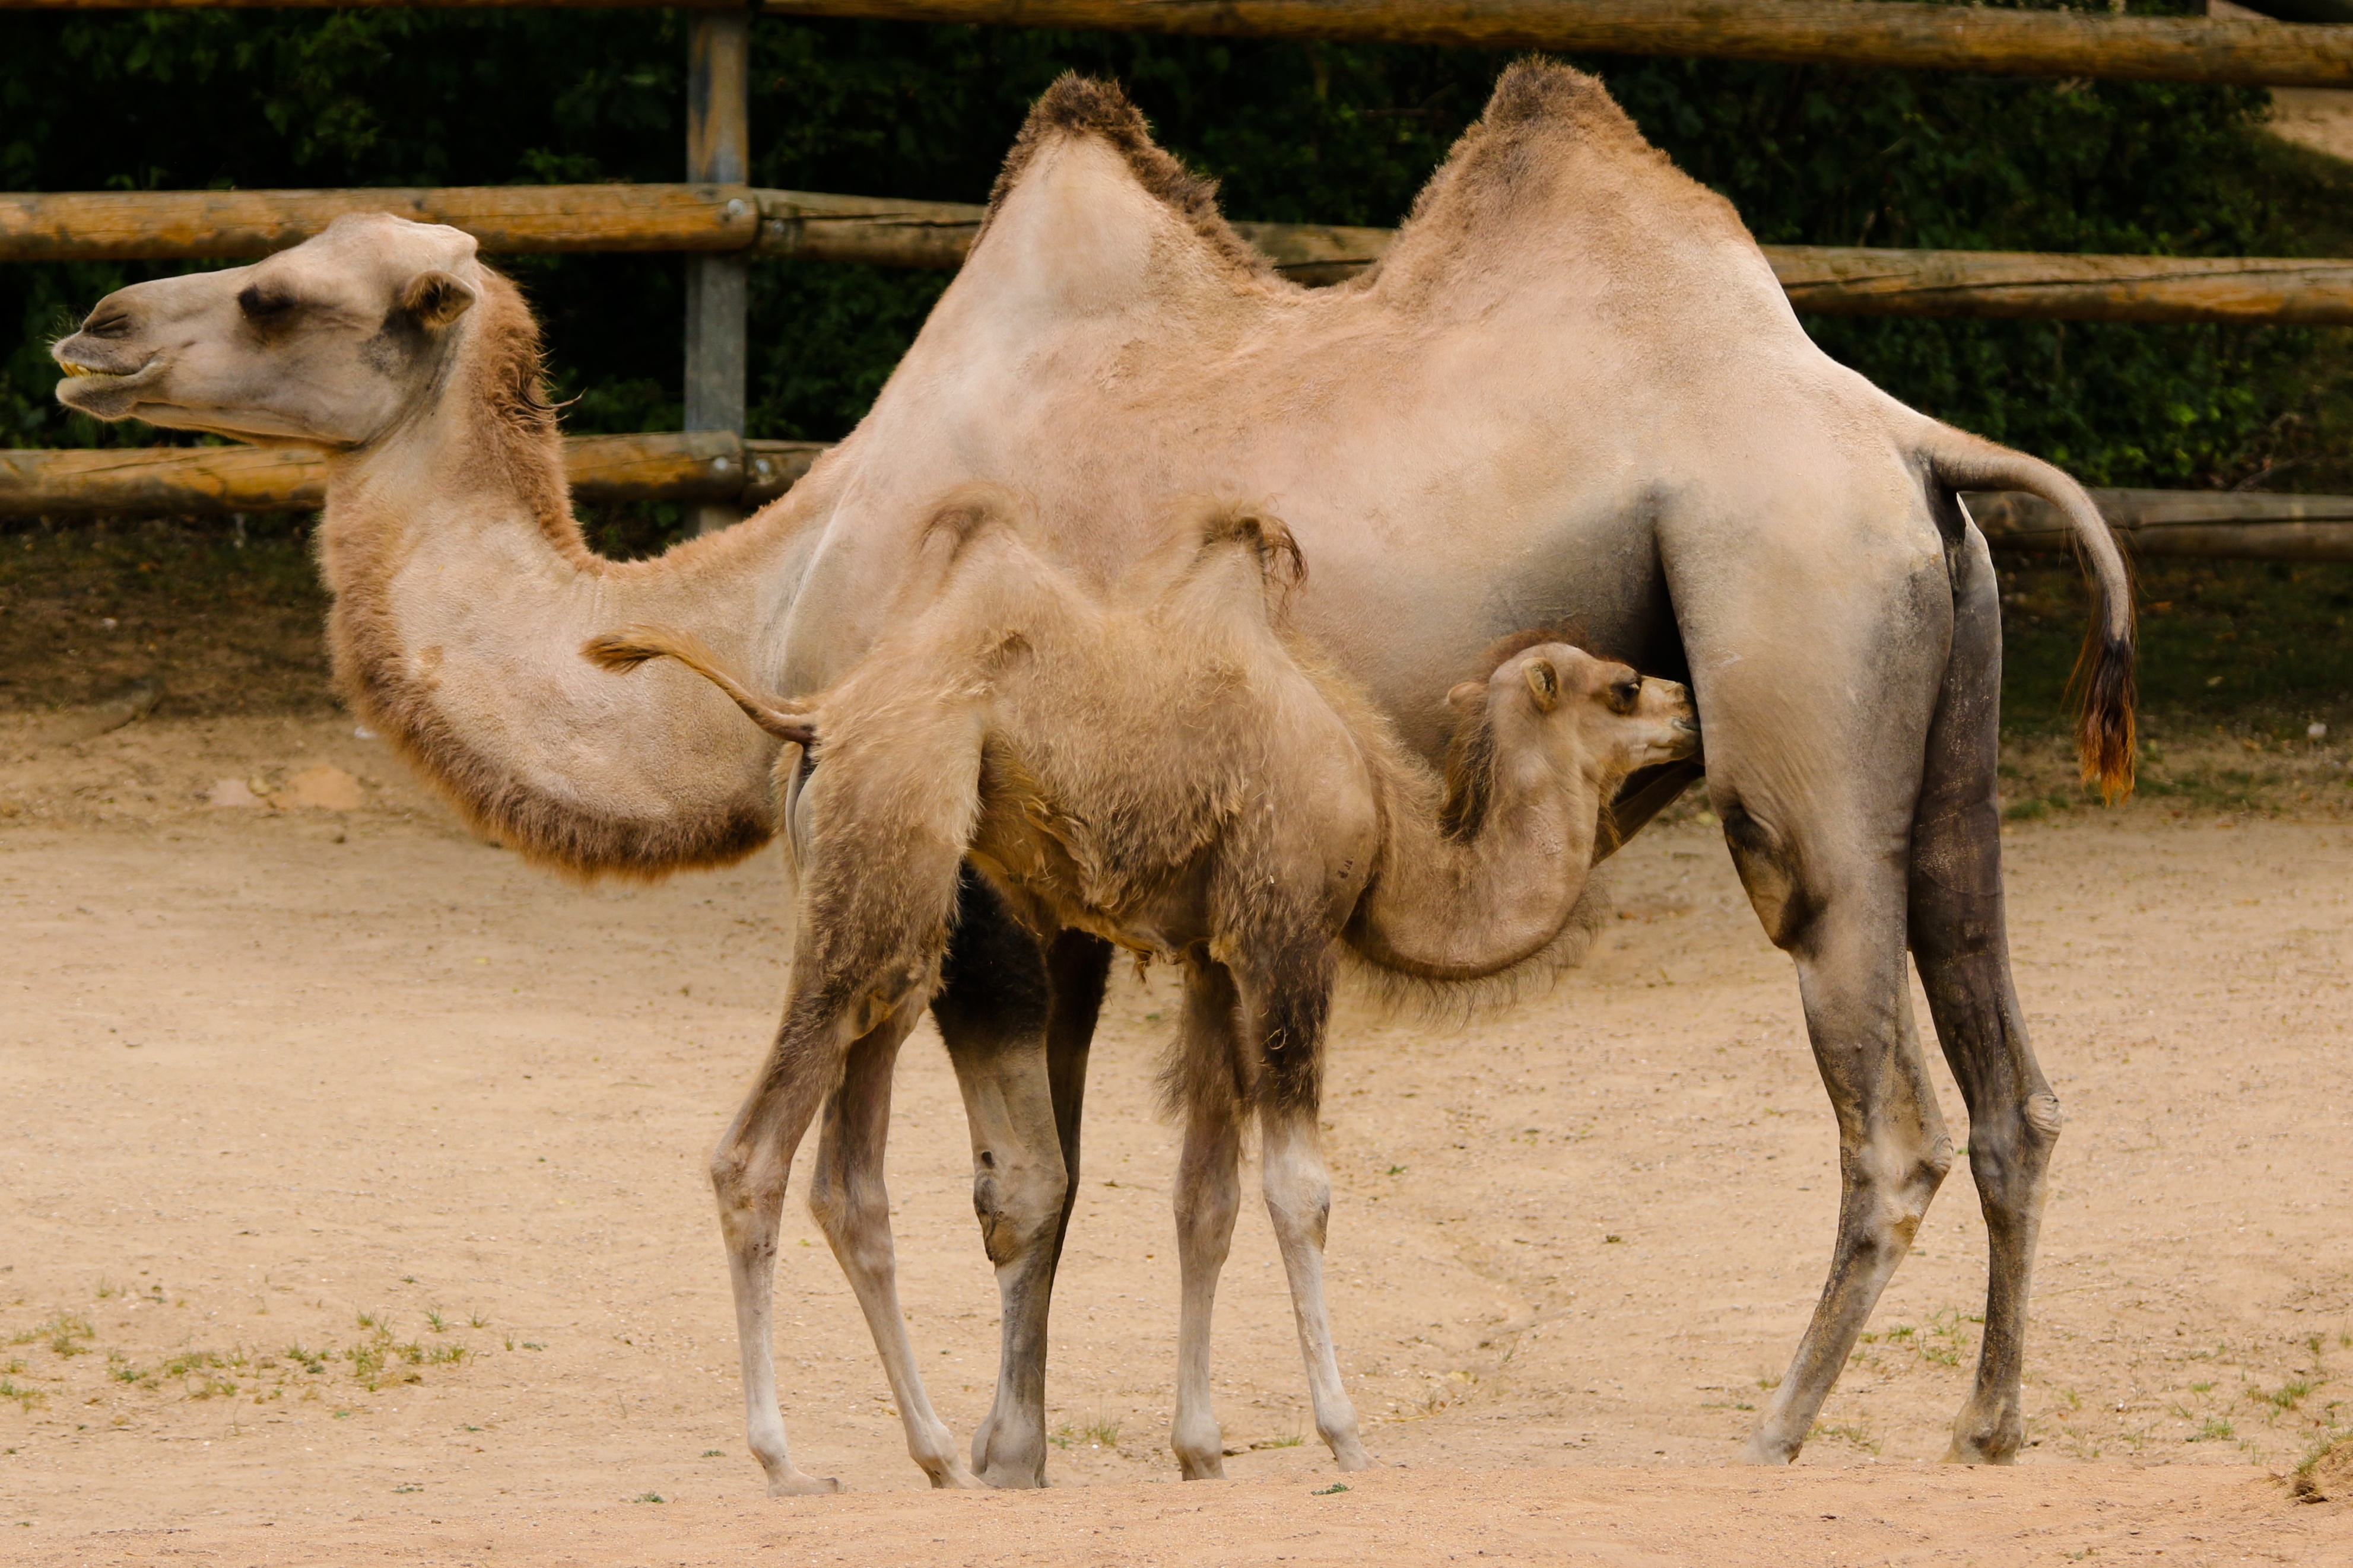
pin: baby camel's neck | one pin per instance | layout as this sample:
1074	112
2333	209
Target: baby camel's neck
1484	882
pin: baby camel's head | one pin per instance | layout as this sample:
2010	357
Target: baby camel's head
1556	712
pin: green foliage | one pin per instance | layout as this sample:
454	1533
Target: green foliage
1346	134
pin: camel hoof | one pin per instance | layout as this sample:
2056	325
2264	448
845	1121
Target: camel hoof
957	1479
1353	1458
793	1483
1011	1477
1762	1450
1975	1453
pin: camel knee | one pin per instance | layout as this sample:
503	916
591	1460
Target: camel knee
1020	1206
1205	1218
1299	1201
856	1219
745	1188
2009	1153
1891	1188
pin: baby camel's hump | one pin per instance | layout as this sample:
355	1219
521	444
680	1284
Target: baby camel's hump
1160	767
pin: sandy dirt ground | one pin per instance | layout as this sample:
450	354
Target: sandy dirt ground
352	1210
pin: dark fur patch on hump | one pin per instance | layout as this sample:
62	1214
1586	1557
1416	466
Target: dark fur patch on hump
1082	106
1533	99
1537	90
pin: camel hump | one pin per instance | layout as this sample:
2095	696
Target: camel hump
1085	109
1554	174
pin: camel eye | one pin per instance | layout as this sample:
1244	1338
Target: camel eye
1624	694
260	304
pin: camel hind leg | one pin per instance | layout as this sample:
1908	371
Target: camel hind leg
1960	942
871	928
1018	1031
1813	757
853	1205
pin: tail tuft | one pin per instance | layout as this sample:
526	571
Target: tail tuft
2108	740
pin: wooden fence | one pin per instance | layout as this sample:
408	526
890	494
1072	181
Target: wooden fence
709	220
720	223
717	466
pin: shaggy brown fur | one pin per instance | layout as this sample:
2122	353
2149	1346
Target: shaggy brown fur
1124	745
509	447
1162	763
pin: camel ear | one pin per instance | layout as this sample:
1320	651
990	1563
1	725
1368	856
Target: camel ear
1466	696
1544	682
435	298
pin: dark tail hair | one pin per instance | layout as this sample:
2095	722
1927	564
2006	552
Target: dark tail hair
633	645
2106	737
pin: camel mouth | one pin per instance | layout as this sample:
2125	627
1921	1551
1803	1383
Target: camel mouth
95	390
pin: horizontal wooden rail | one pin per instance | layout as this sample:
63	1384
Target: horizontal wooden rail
2224	524
1896	33
154	226
708	465
704	466
1905	35
1830	279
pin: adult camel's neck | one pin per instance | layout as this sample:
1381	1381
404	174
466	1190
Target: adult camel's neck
463	593
1494	893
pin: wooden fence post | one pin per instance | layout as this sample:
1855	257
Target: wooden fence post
718	151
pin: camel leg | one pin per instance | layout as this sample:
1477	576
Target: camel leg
1823	849
1207	1197
1892	1155
1299	1200
853	1207
748	1172
1962	943
1018	1034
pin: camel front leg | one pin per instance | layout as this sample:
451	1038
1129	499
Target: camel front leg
1207	1197
1299	1200
853	1205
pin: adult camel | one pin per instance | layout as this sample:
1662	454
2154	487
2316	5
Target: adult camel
1572	392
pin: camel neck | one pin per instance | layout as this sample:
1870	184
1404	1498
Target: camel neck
1446	909
462	596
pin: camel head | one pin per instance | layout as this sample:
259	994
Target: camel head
1556	710
333	340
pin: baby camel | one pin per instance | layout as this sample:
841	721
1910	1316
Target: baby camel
1162	765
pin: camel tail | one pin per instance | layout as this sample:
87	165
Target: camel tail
2106	738
633	645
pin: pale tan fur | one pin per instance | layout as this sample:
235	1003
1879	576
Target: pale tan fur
1572	391
1164	763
